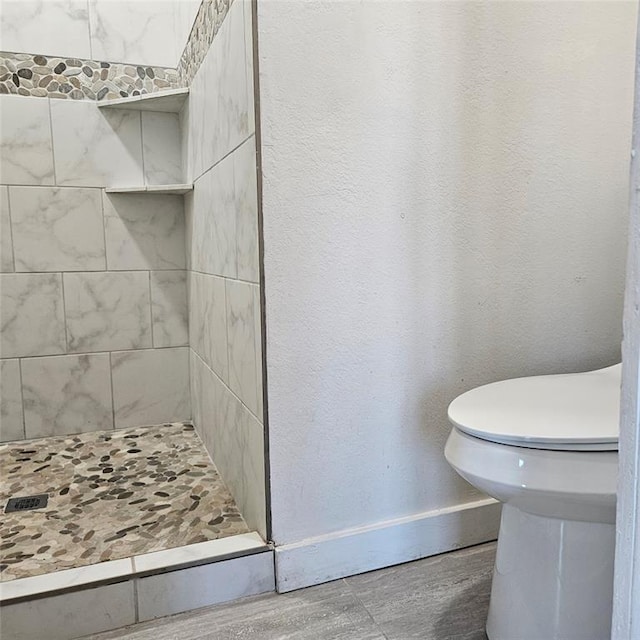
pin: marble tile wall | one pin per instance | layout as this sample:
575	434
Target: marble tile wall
132	31
126	326
161	139
207	23
150	386
220	86
222	251
93	289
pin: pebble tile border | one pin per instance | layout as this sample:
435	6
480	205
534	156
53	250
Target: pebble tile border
112	495
205	27
73	79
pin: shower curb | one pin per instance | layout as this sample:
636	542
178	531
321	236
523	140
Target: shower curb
85	600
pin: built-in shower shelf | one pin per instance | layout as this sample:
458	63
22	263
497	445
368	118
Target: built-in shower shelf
170	101
159	189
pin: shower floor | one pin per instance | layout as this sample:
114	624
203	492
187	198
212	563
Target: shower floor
112	495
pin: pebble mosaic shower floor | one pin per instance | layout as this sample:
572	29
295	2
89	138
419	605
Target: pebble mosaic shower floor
112	494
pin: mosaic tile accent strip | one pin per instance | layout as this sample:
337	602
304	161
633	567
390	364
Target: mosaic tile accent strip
112	495
206	25
73	79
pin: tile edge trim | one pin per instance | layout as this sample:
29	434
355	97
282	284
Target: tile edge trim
86	583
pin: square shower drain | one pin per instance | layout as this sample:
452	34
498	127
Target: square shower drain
27	503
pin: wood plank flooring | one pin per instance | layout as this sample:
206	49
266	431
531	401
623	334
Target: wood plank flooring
440	598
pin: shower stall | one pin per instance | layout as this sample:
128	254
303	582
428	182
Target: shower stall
130	306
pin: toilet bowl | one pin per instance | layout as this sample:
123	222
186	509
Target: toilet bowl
546	447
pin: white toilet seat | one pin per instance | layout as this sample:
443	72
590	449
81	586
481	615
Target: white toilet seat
571	412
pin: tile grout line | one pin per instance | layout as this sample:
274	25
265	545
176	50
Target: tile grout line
355	595
89	353
224	157
13	245
233	393
235	217
256	364
217	275
64	314
53	150
113	400
62	187
144	170
103	195
226	329
24	419
79	271
153	339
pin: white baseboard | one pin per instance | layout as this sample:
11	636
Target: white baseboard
352	551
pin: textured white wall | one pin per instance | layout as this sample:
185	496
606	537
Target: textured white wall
445	204
148	32
626	607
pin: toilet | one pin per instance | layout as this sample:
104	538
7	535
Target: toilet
547	448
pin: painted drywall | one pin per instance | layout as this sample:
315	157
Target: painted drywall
146	32
444	204
626	606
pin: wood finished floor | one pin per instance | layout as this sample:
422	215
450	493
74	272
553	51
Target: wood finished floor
441	598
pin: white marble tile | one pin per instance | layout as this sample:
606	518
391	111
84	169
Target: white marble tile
57	229
151	386
208	321
96	147
49	27
218	105
257	316
195	378
162	148
246	206
6	241
241	342
133	31
188	228
185	14
31	315
213	224
196	553
26	155
107	311
234	439
186	589
253	497
57	580
70	615
144	231
248	56
169	308
186	139
208	408
226	122
192	118
11	417
239	443
64	395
